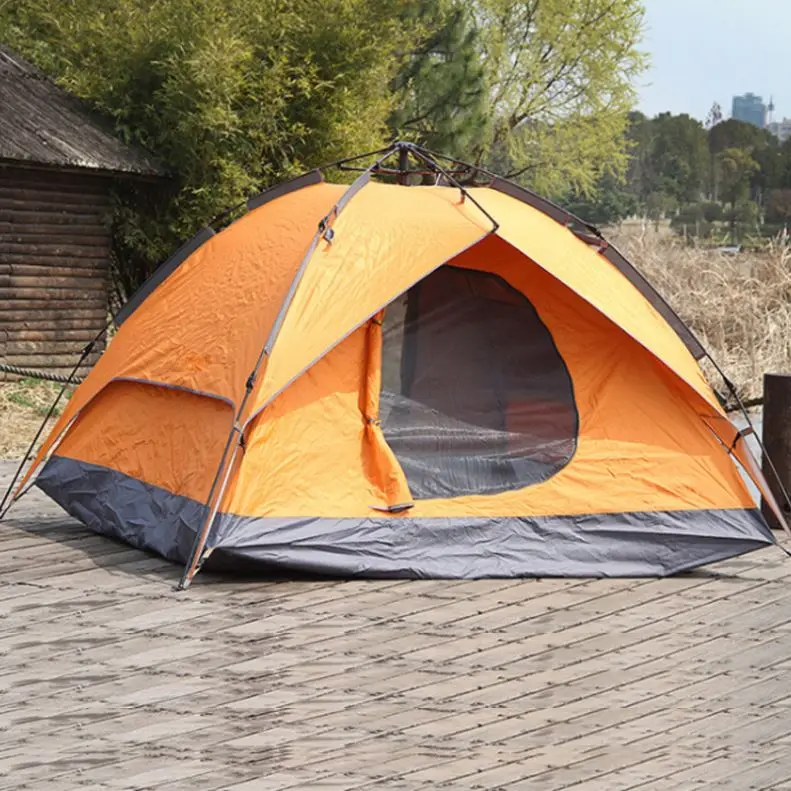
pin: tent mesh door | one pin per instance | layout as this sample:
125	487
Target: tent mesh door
476	398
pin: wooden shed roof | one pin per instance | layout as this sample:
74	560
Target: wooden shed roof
41	124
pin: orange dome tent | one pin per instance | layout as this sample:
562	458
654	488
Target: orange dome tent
417	381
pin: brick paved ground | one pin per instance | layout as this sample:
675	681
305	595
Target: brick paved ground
111	680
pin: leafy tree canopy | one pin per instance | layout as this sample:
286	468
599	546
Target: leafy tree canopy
231	95
679	156
442	98
735	167
538	89
611	202
561	80
738	134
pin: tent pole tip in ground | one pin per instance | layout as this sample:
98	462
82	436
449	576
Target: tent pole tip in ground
8	498
183	584
190	570
784	549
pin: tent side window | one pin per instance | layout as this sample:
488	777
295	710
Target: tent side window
475	397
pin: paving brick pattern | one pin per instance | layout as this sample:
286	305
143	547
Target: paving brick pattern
109	679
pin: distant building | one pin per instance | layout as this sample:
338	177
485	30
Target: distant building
781	129
750	109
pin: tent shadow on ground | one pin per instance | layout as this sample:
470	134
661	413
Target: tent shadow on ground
108	553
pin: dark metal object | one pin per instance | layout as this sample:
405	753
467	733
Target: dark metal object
403	164
750	403
395	171
777	441
452	180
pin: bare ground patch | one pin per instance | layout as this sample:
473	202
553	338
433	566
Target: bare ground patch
23	405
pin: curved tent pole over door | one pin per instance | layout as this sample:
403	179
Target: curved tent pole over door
582	229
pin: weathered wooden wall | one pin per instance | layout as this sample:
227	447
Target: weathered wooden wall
54	266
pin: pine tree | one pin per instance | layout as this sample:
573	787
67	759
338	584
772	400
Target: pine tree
441	92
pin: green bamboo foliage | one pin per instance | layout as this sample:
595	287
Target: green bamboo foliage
234	95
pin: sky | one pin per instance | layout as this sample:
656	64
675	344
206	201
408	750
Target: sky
704	51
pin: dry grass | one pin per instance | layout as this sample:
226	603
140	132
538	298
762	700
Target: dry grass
23	405
738	305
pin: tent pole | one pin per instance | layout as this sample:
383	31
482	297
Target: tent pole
403	165
217	492
386	150
451	180
746	415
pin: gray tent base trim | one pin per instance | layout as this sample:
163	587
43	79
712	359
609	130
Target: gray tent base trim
121	507
643	544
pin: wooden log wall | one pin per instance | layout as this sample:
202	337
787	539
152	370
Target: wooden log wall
54	266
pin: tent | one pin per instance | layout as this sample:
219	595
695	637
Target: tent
443	380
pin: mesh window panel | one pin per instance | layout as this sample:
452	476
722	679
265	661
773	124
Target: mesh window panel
475	396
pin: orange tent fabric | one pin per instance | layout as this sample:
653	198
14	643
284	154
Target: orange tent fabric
392	380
